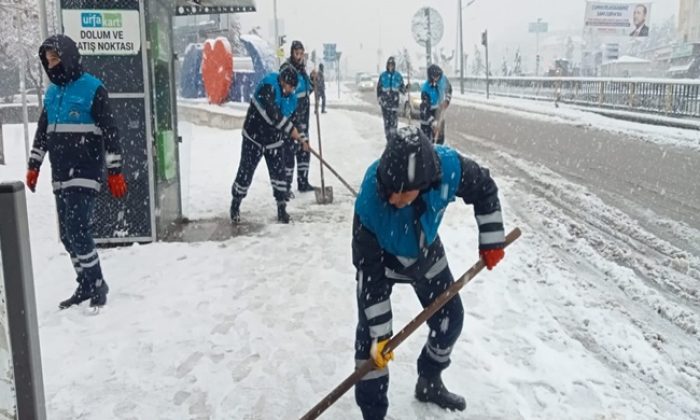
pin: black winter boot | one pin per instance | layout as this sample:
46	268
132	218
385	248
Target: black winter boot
434	391
99	295
80	295
282	215
235	211
304	186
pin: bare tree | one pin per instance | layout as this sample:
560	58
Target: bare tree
518	63
478	65
20	37
404	64
234	30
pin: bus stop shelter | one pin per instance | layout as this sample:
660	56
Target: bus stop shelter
128	45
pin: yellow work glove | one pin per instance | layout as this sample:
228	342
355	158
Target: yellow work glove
380	360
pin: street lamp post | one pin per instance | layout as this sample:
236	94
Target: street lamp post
537	62
277	34
461	46
42	20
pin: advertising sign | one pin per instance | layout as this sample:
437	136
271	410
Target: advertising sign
538	27
618	19
104	32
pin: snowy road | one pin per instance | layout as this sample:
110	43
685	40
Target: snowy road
629	165
592	315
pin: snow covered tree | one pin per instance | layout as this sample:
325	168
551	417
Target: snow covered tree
478	66
518	64
404	63
20	37
234	30
445	59
569	49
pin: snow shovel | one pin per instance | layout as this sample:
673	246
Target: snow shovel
397	339
324	195
330	168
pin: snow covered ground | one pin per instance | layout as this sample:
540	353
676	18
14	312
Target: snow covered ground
261	326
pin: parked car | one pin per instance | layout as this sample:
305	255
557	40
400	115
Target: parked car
366	83
358	77
411	107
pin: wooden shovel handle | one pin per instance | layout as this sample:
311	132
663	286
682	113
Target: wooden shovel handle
397	339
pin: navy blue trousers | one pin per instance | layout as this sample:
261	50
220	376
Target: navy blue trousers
445	328
75	208
251	153
293	149
391	121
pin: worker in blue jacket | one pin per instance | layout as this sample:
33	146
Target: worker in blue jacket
395	240
76	128
436	95
390	87
303	93
270	119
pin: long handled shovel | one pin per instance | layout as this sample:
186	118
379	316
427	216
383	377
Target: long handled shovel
397	339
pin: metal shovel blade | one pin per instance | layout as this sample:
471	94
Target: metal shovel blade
324	196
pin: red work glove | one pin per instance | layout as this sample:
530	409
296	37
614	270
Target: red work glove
32	177
117	185
491	257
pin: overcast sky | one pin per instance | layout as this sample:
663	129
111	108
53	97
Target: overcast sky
361	27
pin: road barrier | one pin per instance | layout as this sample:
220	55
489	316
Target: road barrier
668	97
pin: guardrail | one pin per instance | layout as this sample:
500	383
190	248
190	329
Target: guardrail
669	97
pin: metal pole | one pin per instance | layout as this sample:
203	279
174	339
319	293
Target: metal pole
461	52
277	34
23	90
20	304
43	22
537	36
25	113
487	65
43	25
428	44
537	61
2	155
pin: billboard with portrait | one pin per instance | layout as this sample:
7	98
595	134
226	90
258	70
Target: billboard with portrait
618	19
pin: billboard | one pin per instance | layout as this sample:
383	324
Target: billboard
618	19
104	32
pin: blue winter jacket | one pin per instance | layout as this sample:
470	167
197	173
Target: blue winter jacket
270	113
432	97
387	239
76	127
389	86
303	93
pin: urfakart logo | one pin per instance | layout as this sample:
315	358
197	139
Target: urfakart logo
101	20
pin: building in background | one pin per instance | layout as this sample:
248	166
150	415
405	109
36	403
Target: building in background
627	66
685	61
689	20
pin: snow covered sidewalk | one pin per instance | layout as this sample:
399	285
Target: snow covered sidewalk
261	326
